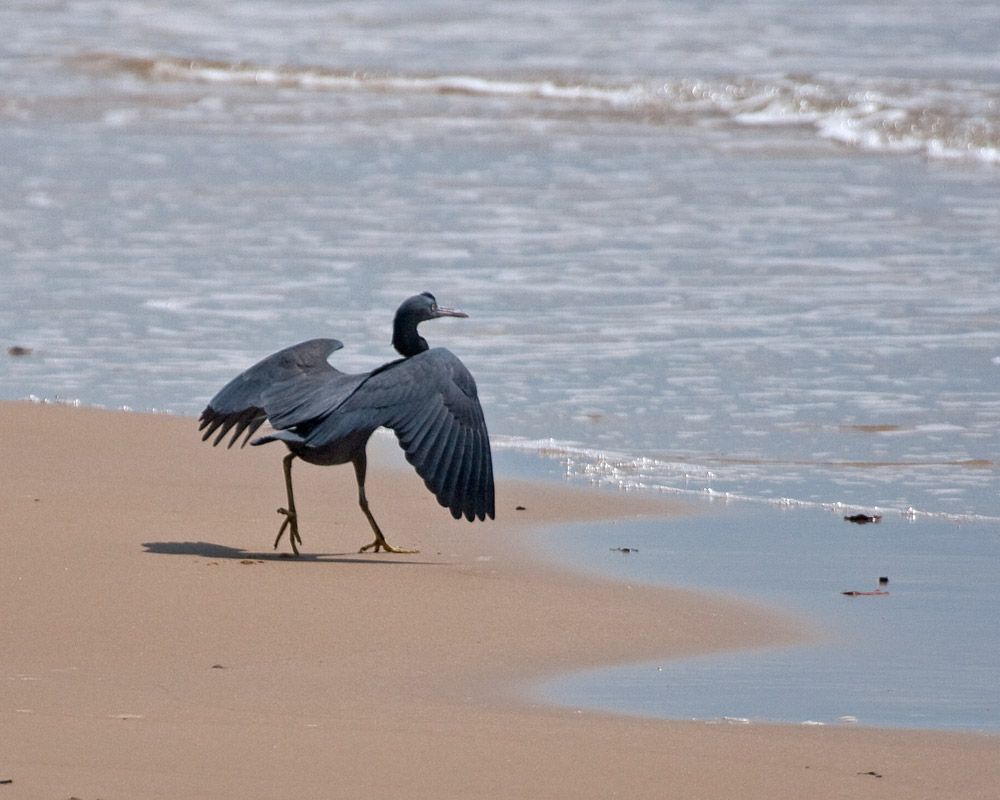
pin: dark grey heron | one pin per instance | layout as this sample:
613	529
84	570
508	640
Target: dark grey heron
324	416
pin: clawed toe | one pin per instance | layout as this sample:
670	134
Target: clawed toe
382	544
291	522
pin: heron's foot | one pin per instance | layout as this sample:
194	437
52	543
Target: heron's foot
381	544
292	523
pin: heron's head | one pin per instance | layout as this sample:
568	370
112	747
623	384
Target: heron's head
413	311
422	307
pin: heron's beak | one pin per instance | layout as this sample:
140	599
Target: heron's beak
450	312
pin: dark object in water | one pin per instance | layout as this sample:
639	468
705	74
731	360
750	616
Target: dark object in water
625	549
884	579
876	593
16	350
863	519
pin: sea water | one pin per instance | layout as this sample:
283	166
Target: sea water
746	253
903	612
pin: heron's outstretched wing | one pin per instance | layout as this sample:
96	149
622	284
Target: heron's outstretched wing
243	403
431	403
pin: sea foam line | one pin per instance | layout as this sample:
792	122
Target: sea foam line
954	121
644	474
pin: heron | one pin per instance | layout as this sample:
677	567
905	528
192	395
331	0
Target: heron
428	398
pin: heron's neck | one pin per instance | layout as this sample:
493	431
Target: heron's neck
405	338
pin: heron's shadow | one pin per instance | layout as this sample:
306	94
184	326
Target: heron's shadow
221	551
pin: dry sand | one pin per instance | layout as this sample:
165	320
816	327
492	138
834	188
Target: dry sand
153	645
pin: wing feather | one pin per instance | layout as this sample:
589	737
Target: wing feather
460	474
431	403
486	484
242	405
472	472
413	431
420	449
436	461
449	467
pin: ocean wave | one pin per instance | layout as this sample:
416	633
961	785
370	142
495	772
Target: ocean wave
708	481
953	120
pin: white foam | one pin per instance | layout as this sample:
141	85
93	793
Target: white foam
946	121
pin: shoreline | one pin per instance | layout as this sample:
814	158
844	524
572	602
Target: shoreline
156	646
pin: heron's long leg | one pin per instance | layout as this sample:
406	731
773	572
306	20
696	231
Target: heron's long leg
291	518
360	465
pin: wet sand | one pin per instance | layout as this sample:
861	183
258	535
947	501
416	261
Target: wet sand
154	645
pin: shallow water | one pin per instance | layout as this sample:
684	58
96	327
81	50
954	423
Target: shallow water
921	655
731	252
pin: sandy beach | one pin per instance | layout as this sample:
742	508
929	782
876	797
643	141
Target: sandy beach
154	645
